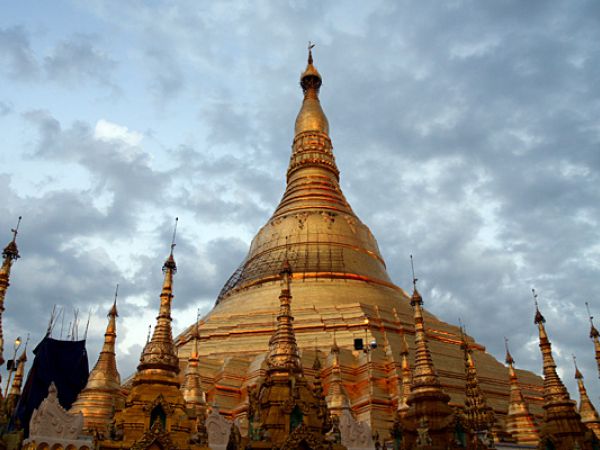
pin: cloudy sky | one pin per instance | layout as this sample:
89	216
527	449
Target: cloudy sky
467	133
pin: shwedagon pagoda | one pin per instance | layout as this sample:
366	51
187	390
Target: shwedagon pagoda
310	345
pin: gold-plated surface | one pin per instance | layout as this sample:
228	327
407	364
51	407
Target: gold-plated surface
406	376
479	417
562	427
192	386
337	398
339	280
285	409
520	423
587	411
102	393
159	356
155	412
311	117
283	351
429	419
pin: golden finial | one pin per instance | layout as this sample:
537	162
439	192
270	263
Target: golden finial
593	331
578	375
113	310
416	296
538	315
311	117
412	268
170	262
11	251
15	230
509	359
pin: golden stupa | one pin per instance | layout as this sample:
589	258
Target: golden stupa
342	292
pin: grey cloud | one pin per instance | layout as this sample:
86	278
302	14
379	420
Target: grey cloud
72	62
466	134
77	60
16	56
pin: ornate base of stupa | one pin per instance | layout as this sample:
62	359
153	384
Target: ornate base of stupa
234	340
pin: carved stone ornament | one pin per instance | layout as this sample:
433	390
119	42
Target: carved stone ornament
302	434
218	429
355	435
156	435
423	438
50	423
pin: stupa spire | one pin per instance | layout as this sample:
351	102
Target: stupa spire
105	374
311	117
283	353
429	414
337	397
9	255
406	373
519	421
15	389
587	411
312	159
480	417
562	424
424	375
554	389
192	385
326	237
97	399
159	354
595	337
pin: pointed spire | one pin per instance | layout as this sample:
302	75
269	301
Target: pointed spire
97	399
337	397
587	411
311	117
105	375
192	386
283	353
406	372
561	420
9	255
159	354
520	423
479	416
424	375
428	403
554	389
595	337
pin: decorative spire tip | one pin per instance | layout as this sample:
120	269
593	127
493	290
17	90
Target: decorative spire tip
509	359
310	47
578	375
539	318
15	230
113	311
170	262
593	331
